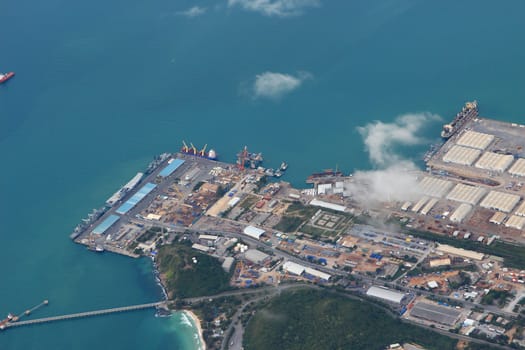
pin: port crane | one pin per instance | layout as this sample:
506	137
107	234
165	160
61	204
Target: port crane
185	148
202	152
242	158
193	148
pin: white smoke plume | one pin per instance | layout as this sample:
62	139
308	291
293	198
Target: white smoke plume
394	178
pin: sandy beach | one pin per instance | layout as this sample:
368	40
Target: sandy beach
197	323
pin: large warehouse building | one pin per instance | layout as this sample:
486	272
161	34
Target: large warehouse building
461	212
461	155
436	313
475	139
385	294
494	161
434	187
466	194
518	168
500	201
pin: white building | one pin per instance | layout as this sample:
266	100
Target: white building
385	294
253	232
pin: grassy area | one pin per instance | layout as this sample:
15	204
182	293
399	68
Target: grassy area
289	224
295	215
309	319
317	232
187	279
513	254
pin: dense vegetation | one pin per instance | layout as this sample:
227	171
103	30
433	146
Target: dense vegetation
184	278
514	255
309	319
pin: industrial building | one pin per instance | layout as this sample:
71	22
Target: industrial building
385	294
475	139
430	204
461	212
497	218
501	201
434	187
419	204
316	273
466	194
256	256
200	247
232	202
173	165
518	168
521	209
228	263
440	262
516	222
137	197
461	155
298	270
293	268
322	204
494	161
324	188
106	224
469	254
253	232
436	313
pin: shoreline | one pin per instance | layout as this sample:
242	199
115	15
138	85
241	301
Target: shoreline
197	324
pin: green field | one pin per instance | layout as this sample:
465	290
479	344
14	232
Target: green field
309	319
186	279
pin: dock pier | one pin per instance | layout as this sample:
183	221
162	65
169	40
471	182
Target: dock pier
84	314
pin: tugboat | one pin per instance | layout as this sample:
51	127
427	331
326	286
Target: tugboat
5	77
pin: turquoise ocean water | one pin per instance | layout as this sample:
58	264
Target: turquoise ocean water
102	86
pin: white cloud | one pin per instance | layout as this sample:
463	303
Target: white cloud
276	85
193	12
380	138
278	8
395	178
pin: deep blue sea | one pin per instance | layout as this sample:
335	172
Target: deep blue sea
103	86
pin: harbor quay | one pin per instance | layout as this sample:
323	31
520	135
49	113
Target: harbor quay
443	246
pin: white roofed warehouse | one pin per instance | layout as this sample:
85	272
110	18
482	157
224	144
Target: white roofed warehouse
500	201
466	194
494	161
293	268
461	155
475	139
385	294
461	212
518	168
253	232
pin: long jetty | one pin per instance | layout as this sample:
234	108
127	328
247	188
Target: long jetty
85	314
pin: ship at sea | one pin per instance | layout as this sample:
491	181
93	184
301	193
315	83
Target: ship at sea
5	77
469	111
211	154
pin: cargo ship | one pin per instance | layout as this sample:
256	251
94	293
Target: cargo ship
5	77
469	111
192	151
323	174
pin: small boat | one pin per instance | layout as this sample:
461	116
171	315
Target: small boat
278	173
5	77
269	172
284	166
